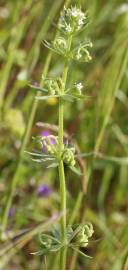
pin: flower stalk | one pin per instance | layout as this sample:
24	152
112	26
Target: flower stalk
61	165
72	20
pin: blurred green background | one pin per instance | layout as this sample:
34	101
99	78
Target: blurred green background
100	124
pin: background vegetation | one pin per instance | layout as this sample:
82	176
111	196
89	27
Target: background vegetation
98	125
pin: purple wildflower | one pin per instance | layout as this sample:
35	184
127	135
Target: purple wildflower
44	190
46	133
11	212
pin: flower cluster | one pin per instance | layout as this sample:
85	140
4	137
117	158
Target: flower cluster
82	234
76	89
52	85
60	43
81	54
50	146
68	156
72	20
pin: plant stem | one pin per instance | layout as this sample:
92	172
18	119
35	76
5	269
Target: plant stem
61	165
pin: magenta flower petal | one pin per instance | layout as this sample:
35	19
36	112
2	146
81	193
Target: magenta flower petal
45	133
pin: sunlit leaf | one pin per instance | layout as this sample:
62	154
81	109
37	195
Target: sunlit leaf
53	165
46	97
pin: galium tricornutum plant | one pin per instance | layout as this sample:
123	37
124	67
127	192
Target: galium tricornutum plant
56	149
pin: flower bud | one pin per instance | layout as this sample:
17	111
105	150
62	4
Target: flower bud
46	242
82	54
84	232
60	43
68	156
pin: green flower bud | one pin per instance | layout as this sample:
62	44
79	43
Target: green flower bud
49	149
89	230
46	242
84	232
68	156
83	54
52	86
60	43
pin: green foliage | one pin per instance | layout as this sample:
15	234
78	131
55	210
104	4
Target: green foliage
98	122
76	236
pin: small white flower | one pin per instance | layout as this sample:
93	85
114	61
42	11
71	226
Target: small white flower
75	12
72	20
79	86
68	28
80	22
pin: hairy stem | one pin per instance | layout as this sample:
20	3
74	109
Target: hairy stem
61	165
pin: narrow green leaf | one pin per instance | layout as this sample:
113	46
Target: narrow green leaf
49	159
75	170
53	165
37	160
83	97
38	253
85	154
81	253
38	88
37	154
67	98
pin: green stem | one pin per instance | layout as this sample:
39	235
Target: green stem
61	165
